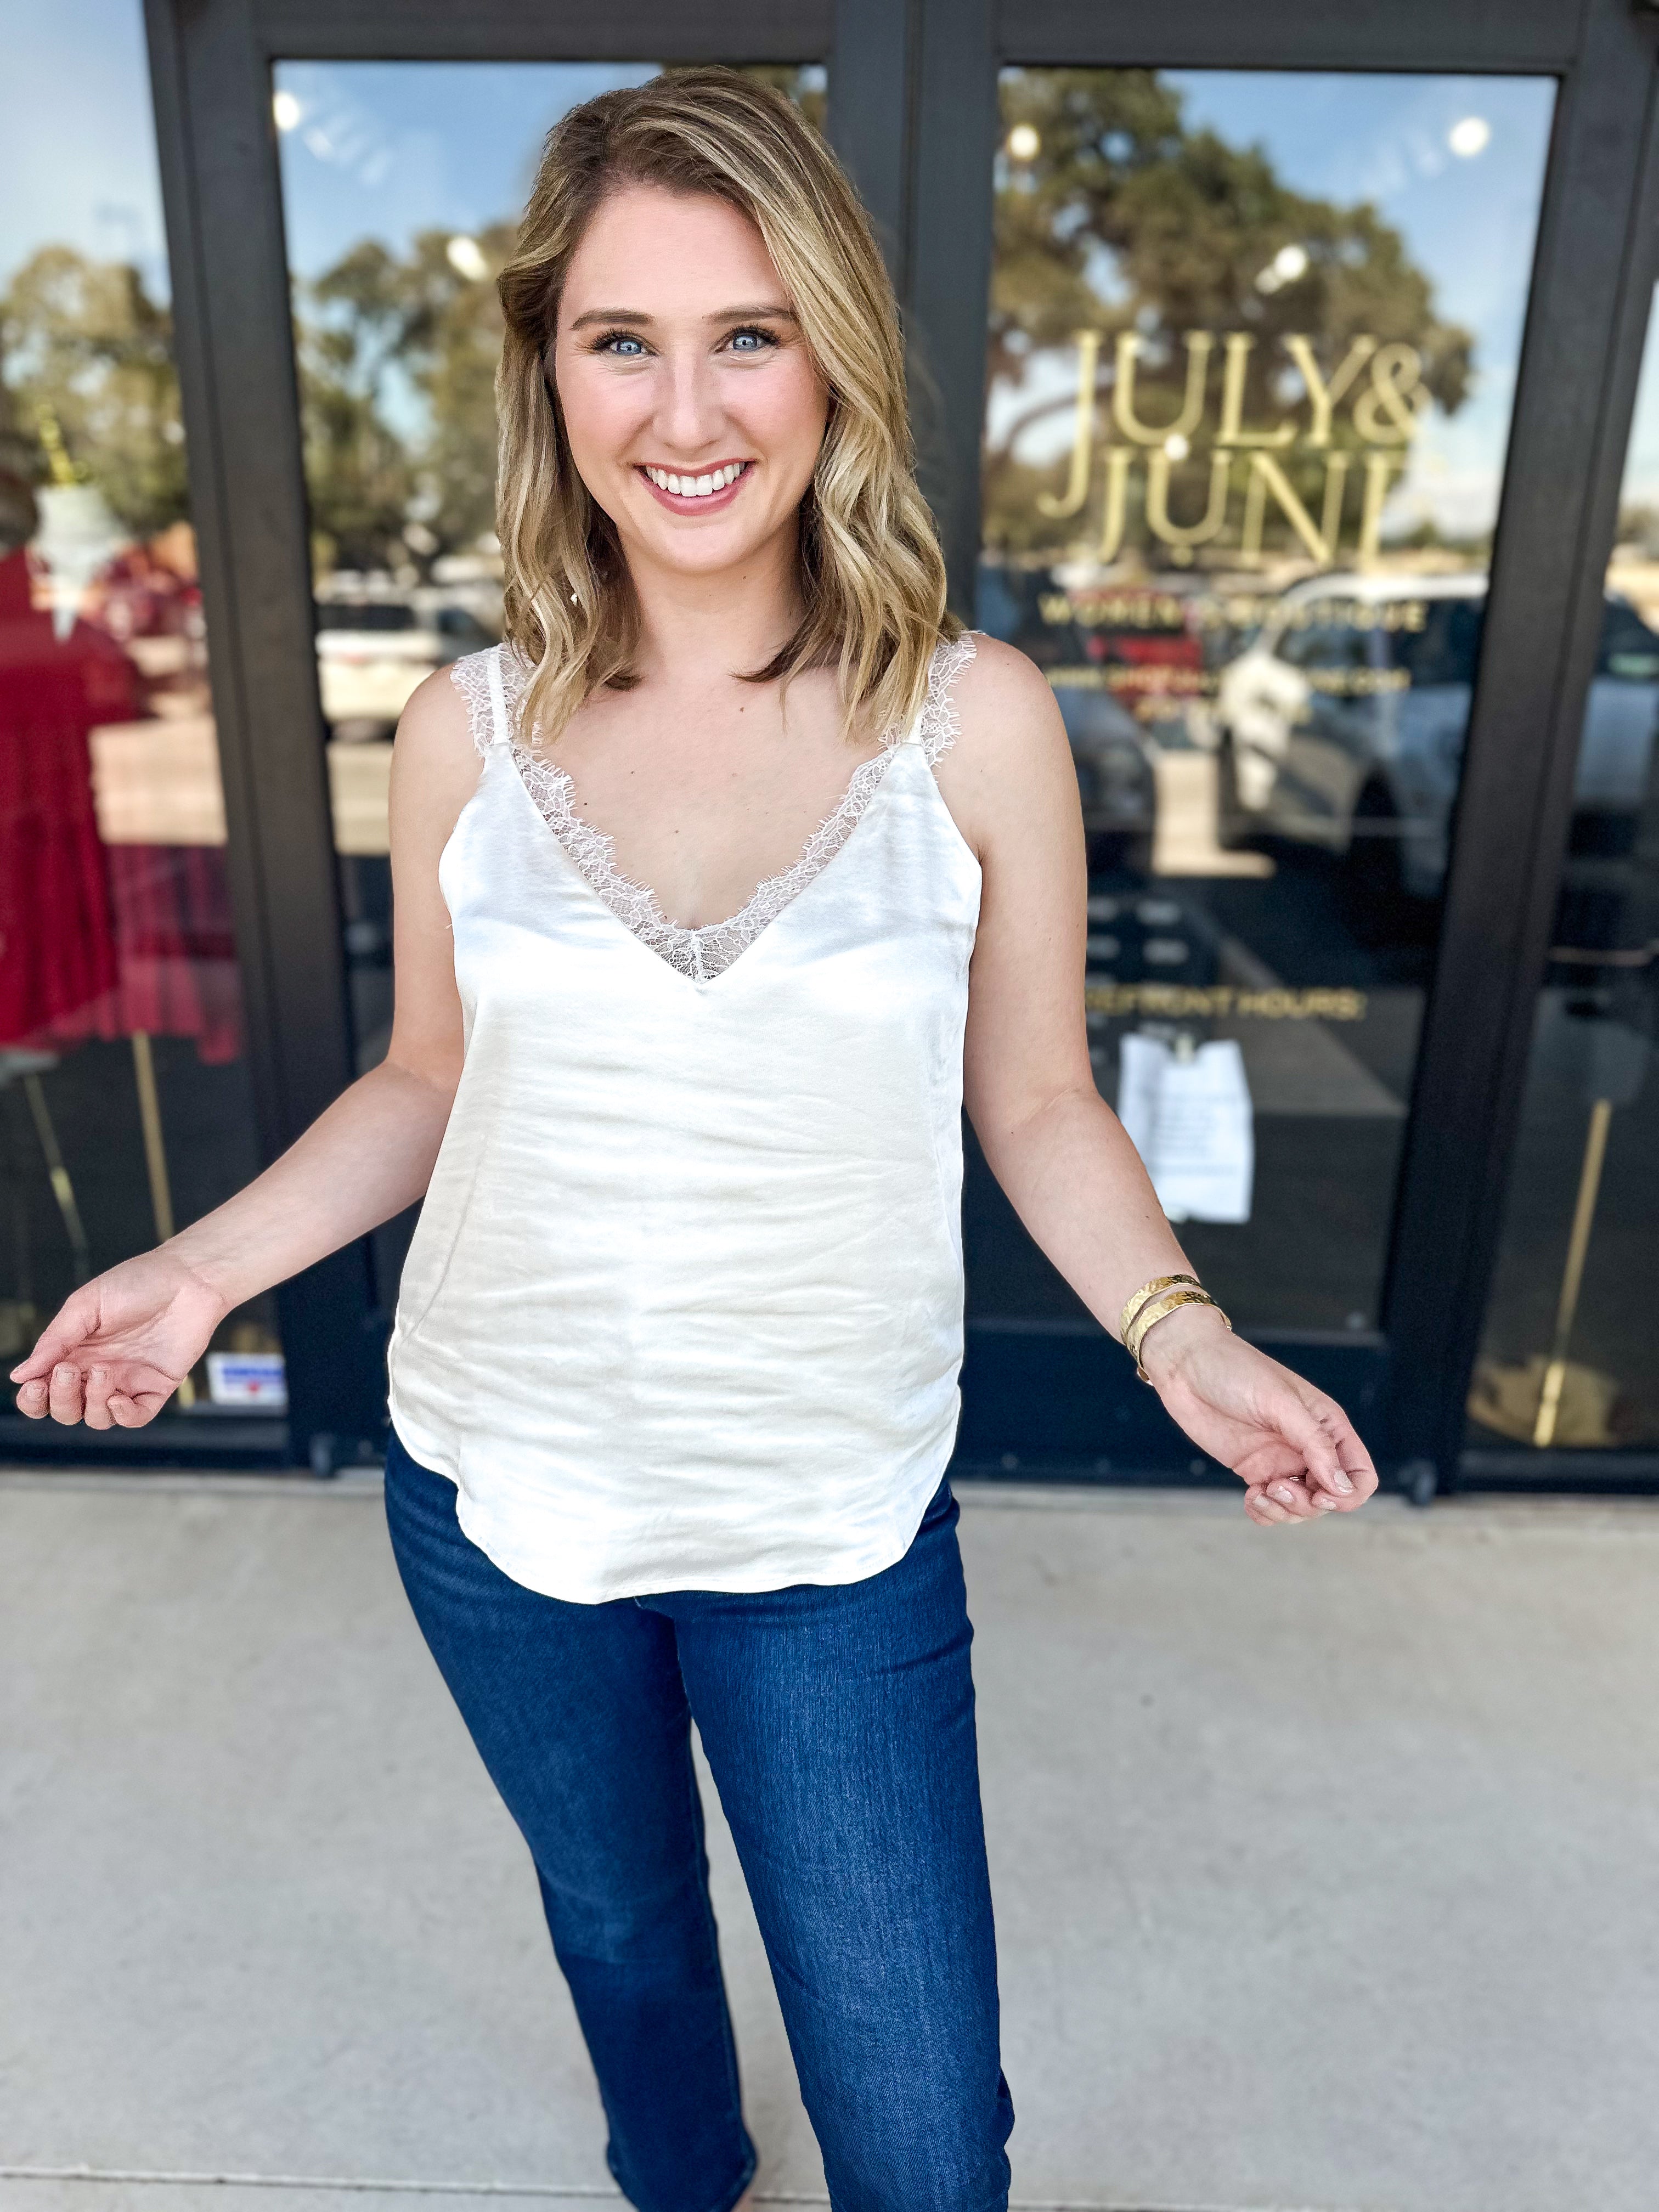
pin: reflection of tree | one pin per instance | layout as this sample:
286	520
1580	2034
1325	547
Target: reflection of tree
1123	220
398	361
87	358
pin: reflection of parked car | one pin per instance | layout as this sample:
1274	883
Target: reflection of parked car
1343	723
1114	767
1114	779
371	653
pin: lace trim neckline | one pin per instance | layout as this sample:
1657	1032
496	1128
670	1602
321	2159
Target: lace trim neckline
493	684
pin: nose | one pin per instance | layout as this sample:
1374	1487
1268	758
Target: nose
689	414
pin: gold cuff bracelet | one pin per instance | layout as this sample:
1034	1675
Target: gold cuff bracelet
1158	1309
1147	1291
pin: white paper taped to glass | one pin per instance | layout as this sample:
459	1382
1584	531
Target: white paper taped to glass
1188	1115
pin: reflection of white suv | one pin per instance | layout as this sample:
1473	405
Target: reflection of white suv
372	653
1342	725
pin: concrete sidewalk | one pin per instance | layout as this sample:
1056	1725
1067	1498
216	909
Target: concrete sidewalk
1325	1865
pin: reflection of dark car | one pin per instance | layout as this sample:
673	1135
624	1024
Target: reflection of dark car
1114	767
1342	726
1114	779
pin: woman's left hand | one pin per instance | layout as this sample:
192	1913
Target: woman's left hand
1294	1448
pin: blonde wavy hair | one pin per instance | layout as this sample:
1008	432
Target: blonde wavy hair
872	577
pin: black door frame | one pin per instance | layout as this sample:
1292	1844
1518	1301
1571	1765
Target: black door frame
912	109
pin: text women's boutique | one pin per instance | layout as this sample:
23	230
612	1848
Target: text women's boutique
1278	377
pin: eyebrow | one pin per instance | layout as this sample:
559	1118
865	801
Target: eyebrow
770	313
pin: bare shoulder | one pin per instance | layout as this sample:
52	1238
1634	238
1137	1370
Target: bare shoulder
436	721
1010	759
1000	679
435	763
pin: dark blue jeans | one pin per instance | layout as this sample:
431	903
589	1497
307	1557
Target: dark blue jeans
839	1724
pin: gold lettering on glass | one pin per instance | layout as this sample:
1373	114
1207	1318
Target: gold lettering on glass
1239	346
1396	394
1116	504
1379	468
1182	537
1222	1001
1384	385
1071	500
1322	397
1330	514
1199	344
1266	475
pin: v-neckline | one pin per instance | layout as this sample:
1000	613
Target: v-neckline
703	955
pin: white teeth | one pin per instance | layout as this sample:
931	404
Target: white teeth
697	487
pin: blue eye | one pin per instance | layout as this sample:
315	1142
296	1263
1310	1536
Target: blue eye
751	341
614	342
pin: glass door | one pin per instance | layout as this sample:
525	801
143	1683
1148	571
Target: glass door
1252	346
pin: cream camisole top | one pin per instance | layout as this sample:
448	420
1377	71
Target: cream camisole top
684	1308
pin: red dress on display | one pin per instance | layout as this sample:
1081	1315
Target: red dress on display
57	953
95	940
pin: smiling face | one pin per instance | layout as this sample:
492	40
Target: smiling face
693	407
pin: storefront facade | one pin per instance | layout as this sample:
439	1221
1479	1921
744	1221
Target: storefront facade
1278	384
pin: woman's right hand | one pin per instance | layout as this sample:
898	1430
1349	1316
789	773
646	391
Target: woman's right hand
120	1347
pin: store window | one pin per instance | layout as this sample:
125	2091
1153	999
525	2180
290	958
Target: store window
1252	348
125	1103
1570	1356
401	185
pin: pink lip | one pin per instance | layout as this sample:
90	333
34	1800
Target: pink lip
710	503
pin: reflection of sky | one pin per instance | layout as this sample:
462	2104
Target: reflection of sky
77	141
1468	223
385	149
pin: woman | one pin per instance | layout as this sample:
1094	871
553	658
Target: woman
674	1375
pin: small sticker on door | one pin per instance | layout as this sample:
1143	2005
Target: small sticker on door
247	1378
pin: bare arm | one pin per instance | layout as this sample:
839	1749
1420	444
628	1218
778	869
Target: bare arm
119	1347
1052	1142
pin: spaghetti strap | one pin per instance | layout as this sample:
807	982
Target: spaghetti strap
937	728
477	677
